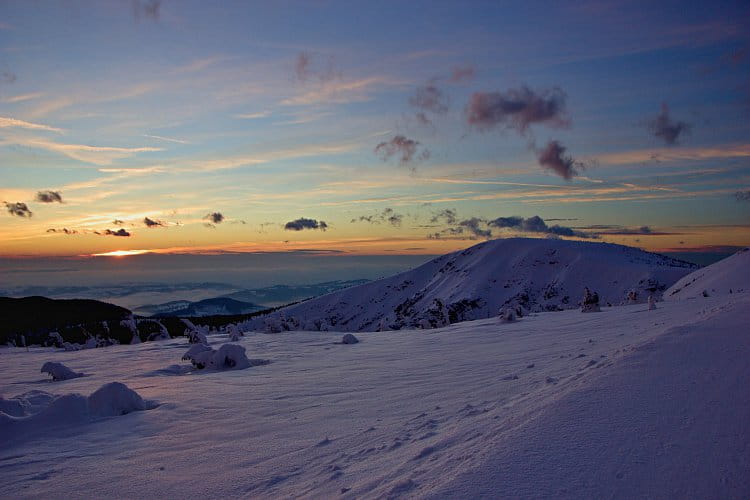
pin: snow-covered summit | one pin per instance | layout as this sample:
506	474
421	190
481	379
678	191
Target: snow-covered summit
730	275
534	274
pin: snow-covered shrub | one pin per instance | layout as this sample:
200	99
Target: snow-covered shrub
72	347
59	371
56	339
507	315
590	302
272	324
228	357
115	399
195	337
349	339
632	297
234	332
651	303
136	339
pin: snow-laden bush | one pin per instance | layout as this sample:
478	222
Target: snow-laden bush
590	302
507	315
349	339
59	371
56	339
234	332
115	399
651	303
227	357
196	337
632	297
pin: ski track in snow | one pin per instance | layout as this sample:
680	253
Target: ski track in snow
626	402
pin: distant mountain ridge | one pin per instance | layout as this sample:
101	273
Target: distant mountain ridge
206	307
533	274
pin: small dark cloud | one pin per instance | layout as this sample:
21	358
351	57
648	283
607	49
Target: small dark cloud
303	223
405	149
612	230
553	157
153	223
448	216
8	77
118	222
388	215
536	224
302	66
517	109
474	226
146	9
430	98
461	74
214	217
323	71
742	195
64	230
667	129
49	197
119	232
18	209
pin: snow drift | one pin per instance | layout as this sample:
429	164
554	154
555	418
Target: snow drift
730	275
531	274
38	411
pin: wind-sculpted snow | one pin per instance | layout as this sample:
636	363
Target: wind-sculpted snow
38	412
730	275
529	275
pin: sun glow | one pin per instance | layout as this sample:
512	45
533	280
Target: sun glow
120	253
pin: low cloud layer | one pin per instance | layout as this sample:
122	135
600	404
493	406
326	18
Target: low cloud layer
304	223
18	209
667	129
554	157
405	149
536	224
517	109
49	197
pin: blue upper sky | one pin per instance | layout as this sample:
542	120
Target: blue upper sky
371	127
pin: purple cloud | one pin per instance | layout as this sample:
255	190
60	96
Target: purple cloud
517	109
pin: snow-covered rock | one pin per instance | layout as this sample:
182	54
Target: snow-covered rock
532	274
349	339
59	371
730	275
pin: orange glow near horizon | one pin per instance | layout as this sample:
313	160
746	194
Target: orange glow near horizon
120	253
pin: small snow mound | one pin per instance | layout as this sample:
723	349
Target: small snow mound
349	339
115	399
507	315
59	371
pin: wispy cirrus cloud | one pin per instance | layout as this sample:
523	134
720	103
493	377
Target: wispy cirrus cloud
23	97
6	122
97	155
340	92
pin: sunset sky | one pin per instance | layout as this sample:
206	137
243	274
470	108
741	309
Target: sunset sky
371	127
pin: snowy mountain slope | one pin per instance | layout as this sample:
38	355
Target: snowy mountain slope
730	275
557	404
536	274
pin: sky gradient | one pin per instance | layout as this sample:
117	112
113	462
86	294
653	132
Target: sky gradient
371	127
